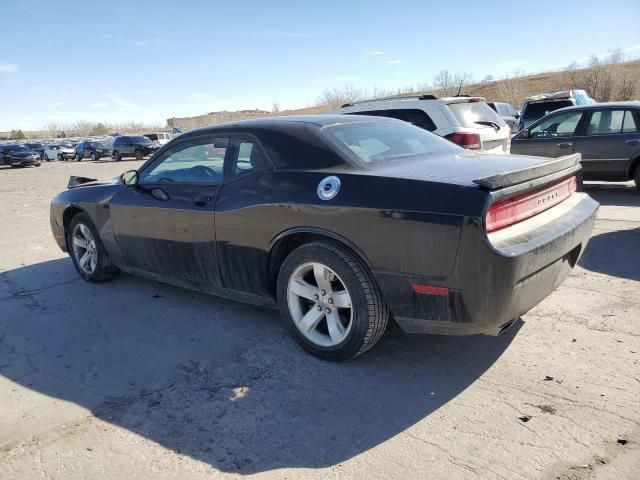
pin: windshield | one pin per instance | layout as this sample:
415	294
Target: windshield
475	114
375	142
34	145
140	139
15	148
534	111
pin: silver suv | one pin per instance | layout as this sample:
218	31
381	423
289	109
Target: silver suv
466	121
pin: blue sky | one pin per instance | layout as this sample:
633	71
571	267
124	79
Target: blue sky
149	60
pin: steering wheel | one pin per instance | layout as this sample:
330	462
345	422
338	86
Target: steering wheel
200	171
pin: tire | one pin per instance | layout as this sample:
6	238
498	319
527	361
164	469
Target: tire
139	154
37	164
103	267
78	158
361	325
116	156
636	175
93	157
60	157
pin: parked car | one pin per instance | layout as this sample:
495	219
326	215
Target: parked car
92	149
18	156
160	138
460	242
538	106
466	121
606	135
508	113
137	146
65	151
36	147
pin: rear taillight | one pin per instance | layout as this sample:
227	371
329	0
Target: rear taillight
516	209
465	140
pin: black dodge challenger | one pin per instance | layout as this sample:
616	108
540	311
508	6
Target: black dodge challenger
342	221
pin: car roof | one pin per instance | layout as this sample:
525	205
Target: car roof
597	106
285	120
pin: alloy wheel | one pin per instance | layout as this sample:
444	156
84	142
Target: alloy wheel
320	304
84	249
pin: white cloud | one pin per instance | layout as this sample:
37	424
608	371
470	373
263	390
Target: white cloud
122	103
375	52
141	43
8	68
99	105
395	61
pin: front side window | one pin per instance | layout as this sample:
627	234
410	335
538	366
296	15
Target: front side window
375	142
201	162
561	125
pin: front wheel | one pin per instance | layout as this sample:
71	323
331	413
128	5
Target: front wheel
116	156
88	254
331	302
636	176
139	155
60	157
93	157
78	158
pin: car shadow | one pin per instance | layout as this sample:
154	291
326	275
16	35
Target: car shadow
216	380
610	253
617	194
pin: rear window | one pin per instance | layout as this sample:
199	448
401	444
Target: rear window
419	118
152	136
533	111
474	114
375	142
140	139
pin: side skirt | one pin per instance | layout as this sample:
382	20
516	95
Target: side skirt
227	293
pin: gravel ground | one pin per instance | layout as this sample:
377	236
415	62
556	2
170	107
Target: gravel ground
134	379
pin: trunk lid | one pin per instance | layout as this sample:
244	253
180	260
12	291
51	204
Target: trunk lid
480	170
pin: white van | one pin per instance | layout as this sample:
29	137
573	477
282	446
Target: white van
160	138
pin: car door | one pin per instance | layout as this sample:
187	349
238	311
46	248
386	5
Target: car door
551	136
608	143
164	225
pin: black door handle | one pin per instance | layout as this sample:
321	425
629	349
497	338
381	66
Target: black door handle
634	141
565	145
202	201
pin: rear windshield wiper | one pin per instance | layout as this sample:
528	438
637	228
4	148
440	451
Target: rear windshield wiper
488	124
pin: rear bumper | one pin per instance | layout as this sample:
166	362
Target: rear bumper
496	279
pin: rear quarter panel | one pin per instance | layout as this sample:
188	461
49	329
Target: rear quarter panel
399	225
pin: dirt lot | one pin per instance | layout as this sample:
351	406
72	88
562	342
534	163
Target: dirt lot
134	379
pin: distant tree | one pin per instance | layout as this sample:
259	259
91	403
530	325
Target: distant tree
510	89
275	108
63	135
335	97
487	79
99	129
17	135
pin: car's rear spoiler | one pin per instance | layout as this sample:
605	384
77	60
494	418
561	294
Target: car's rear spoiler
508	179
75	181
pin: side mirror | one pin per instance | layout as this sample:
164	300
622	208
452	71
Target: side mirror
526	133
130	178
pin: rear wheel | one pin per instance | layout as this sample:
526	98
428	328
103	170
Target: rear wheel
636	176
93	157
116	156
60	157
331	302
88	254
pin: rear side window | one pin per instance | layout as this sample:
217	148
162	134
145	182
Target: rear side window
417	117
248	158
474	114
607	122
